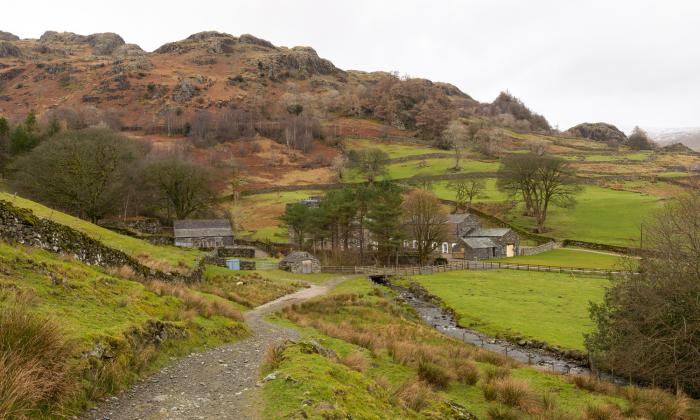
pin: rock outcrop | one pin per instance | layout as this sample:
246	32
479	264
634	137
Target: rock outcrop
250	39
297	62
8	49
6	36
598	131
101	43
104	43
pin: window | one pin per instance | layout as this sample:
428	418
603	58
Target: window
445	247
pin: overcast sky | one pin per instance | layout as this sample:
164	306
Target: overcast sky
621	61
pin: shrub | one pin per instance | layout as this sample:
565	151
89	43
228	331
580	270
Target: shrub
657	404
501	413
495	372
513	392
467	372
274	355
356	361
414	394
489	391
592	384
602	412
34	355
434	374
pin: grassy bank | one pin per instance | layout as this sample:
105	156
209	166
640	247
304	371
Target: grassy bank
166	258
365	356
117	329
549	307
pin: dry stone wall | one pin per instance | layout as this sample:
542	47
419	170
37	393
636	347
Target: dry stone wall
21	226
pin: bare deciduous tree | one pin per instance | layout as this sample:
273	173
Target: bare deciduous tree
466	190
541	181
371	163
425	221
648	326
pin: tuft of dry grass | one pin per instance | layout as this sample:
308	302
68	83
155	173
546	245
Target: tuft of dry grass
592	384
415	394
602	412
274	355
489	391
514	393
491	373
655	403
356	361
194	300
466	372
124	272
434	374
34	355
501	413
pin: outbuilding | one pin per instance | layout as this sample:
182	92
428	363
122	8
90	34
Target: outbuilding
203	233
300	262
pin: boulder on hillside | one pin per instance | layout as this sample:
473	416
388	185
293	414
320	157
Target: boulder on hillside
598	131
8	49
104	43
6	36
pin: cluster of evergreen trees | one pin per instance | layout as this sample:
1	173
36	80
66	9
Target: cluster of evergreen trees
345	219
22	138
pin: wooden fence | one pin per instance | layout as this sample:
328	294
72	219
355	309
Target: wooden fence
463	265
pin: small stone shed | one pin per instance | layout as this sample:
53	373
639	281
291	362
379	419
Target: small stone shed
300	262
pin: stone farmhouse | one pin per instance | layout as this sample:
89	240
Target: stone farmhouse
473	242
203	233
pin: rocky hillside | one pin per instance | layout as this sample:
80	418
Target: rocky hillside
100	77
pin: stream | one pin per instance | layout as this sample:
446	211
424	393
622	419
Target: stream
446	323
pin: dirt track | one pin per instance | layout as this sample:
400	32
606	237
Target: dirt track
221	383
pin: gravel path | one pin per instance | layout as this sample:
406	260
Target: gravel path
221	383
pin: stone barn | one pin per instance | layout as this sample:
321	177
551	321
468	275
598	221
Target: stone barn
203	233
477	243
300	262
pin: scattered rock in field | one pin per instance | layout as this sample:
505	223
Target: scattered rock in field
271	377
160	398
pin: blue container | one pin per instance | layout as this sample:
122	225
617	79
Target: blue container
233	264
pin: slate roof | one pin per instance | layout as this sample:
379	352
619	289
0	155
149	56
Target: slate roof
458	218
202	228
298	256
476	243
491	233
